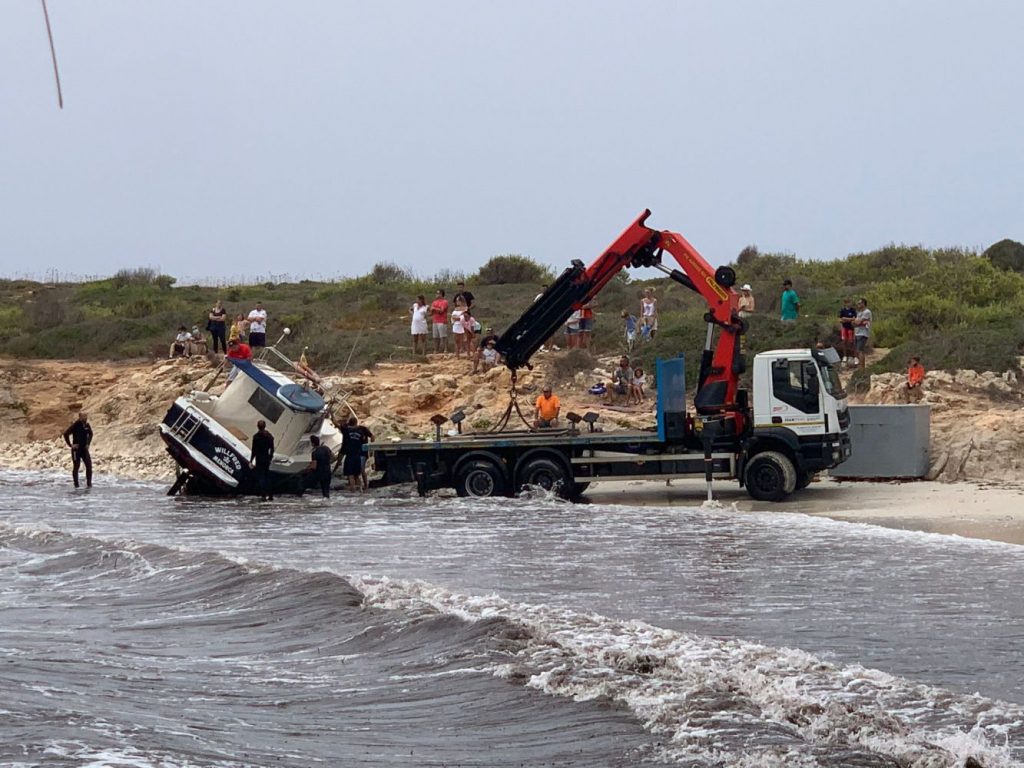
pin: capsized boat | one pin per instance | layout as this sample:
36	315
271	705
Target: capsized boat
210	436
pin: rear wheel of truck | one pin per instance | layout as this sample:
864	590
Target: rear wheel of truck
480	479
547	473
770	476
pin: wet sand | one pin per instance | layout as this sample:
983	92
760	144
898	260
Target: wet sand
973	510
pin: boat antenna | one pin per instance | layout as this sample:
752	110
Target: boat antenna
53	55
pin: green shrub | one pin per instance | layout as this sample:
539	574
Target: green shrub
1006	254
512	268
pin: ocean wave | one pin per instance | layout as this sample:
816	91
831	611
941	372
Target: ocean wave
734	703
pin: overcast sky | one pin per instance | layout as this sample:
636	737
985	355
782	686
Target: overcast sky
225	139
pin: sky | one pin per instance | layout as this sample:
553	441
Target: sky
232	141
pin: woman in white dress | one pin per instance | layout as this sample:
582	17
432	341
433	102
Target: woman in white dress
648	315
419	325
457	329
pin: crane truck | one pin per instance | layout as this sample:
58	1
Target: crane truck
795	424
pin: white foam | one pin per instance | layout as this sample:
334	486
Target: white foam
663	675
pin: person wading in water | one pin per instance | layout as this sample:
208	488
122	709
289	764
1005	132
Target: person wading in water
78	437
262	455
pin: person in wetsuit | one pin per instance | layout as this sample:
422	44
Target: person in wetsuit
262	455
353	438
319	469
78	437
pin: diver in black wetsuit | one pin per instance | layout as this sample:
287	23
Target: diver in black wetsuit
78	437
262	455
319	470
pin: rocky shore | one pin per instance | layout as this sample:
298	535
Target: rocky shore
977	419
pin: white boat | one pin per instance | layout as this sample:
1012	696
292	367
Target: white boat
210	436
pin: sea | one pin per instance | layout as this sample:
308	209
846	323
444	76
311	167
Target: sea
141	630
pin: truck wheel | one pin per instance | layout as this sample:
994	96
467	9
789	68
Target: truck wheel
480	479
770	476
546	473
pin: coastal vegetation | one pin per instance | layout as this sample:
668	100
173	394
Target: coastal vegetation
955	307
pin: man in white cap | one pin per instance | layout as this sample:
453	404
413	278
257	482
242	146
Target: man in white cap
746	302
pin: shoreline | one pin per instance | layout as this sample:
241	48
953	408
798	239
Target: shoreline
977	510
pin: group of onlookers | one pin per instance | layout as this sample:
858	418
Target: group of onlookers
439	317
245	330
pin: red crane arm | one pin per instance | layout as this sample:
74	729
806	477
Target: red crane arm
641	246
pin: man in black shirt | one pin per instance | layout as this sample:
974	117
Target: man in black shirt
78	437
262	455
462	293
353	438
319	467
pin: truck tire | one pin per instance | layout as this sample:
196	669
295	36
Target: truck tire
480	479
770	476
547	473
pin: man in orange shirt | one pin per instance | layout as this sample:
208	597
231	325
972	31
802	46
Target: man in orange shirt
915	380
545	414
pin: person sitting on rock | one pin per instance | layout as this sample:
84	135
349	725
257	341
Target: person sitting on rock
180	345
197	344
489	335
546	409
488	356
914	391
622	381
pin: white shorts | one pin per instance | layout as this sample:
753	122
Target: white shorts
440	330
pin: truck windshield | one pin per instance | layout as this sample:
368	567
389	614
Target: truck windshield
830	377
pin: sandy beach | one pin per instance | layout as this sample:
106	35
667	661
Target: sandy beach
970	509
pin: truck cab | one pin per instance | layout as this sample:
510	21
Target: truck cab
800	410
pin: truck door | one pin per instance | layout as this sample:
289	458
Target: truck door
796	396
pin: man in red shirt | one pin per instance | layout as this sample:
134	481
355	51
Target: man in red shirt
439	317
237	350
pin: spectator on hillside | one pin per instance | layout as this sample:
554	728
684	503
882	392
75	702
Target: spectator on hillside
469	330
488	337
790	302
488	357
846	337
636	389
745	305
629	324
914	389
180	345
419	325
546	409
239	330
649	314
439	320
458	330
258	326
197	344
586	324
572	330
862	330
217	326
461	293
621	383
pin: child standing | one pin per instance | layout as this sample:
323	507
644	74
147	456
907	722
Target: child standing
636	389
629	323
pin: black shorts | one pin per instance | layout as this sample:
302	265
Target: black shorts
861	342
257	339
353	465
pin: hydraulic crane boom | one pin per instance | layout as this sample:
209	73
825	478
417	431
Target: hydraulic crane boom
641	246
